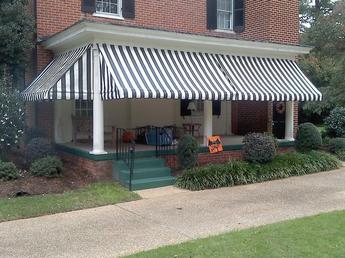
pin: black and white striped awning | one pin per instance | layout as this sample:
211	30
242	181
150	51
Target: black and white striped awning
137	72
68	76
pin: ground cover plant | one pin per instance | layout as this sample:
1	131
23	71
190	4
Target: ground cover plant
317	236
241	172
94	195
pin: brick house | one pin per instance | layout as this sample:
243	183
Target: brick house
206	67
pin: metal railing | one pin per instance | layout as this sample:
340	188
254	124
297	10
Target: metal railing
165	141
125	150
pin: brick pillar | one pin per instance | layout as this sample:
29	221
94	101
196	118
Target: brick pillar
269	116
296	118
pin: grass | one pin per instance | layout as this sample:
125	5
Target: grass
319	236
94	195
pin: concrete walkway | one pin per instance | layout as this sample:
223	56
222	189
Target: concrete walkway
160	220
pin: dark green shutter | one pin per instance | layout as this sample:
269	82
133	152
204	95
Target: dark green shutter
211	14
216	107
128	9
239	15
88	6
184	108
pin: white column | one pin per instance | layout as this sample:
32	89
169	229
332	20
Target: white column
207	120
98	116
289	120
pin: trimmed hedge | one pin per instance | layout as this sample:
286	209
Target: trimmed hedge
187	151
308	137
259	147
335	123
8	171
336	145
48	167
242	172
39	148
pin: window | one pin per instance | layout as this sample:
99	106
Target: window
83	108
112	7
225	14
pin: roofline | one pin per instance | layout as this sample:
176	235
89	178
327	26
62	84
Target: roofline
85	32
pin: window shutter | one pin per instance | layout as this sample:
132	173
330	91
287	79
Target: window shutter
211	14
216	107
184	108
88	6
128	9
239	15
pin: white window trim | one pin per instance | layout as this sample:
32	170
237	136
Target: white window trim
230	30
111	15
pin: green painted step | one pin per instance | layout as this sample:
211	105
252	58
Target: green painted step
143	173
141	184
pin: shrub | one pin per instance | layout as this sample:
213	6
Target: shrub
242	172
187	151
335	123
259	147
308	137
32	133
48	167
341	155
336	145
8	171
39	148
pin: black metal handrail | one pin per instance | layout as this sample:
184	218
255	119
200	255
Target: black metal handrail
125	150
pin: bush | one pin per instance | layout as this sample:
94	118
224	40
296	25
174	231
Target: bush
48	167
8	171
308	137
39	148
32	133
336	145
187	151
340	155
335	123
242	172
259	147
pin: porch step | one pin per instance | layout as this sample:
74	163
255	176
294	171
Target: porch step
147	183
143	173
148	173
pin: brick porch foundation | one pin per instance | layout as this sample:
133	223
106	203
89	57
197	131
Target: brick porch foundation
102	170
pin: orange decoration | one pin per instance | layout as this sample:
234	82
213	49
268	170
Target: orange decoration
215	144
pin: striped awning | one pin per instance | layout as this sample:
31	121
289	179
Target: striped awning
137	72
68	76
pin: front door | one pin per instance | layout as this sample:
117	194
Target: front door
279	119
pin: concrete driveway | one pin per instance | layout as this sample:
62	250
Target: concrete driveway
160	220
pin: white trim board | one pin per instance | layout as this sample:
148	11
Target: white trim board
91	32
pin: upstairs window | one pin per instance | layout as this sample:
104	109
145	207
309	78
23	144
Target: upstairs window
112	7
225	14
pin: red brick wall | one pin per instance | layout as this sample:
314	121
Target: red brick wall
267	20
218	158
249	117
99	169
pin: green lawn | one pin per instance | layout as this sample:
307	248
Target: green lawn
318	236
95	195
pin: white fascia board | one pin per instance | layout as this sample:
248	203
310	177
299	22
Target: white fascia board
89	32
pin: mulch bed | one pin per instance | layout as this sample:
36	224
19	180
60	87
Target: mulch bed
29	185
